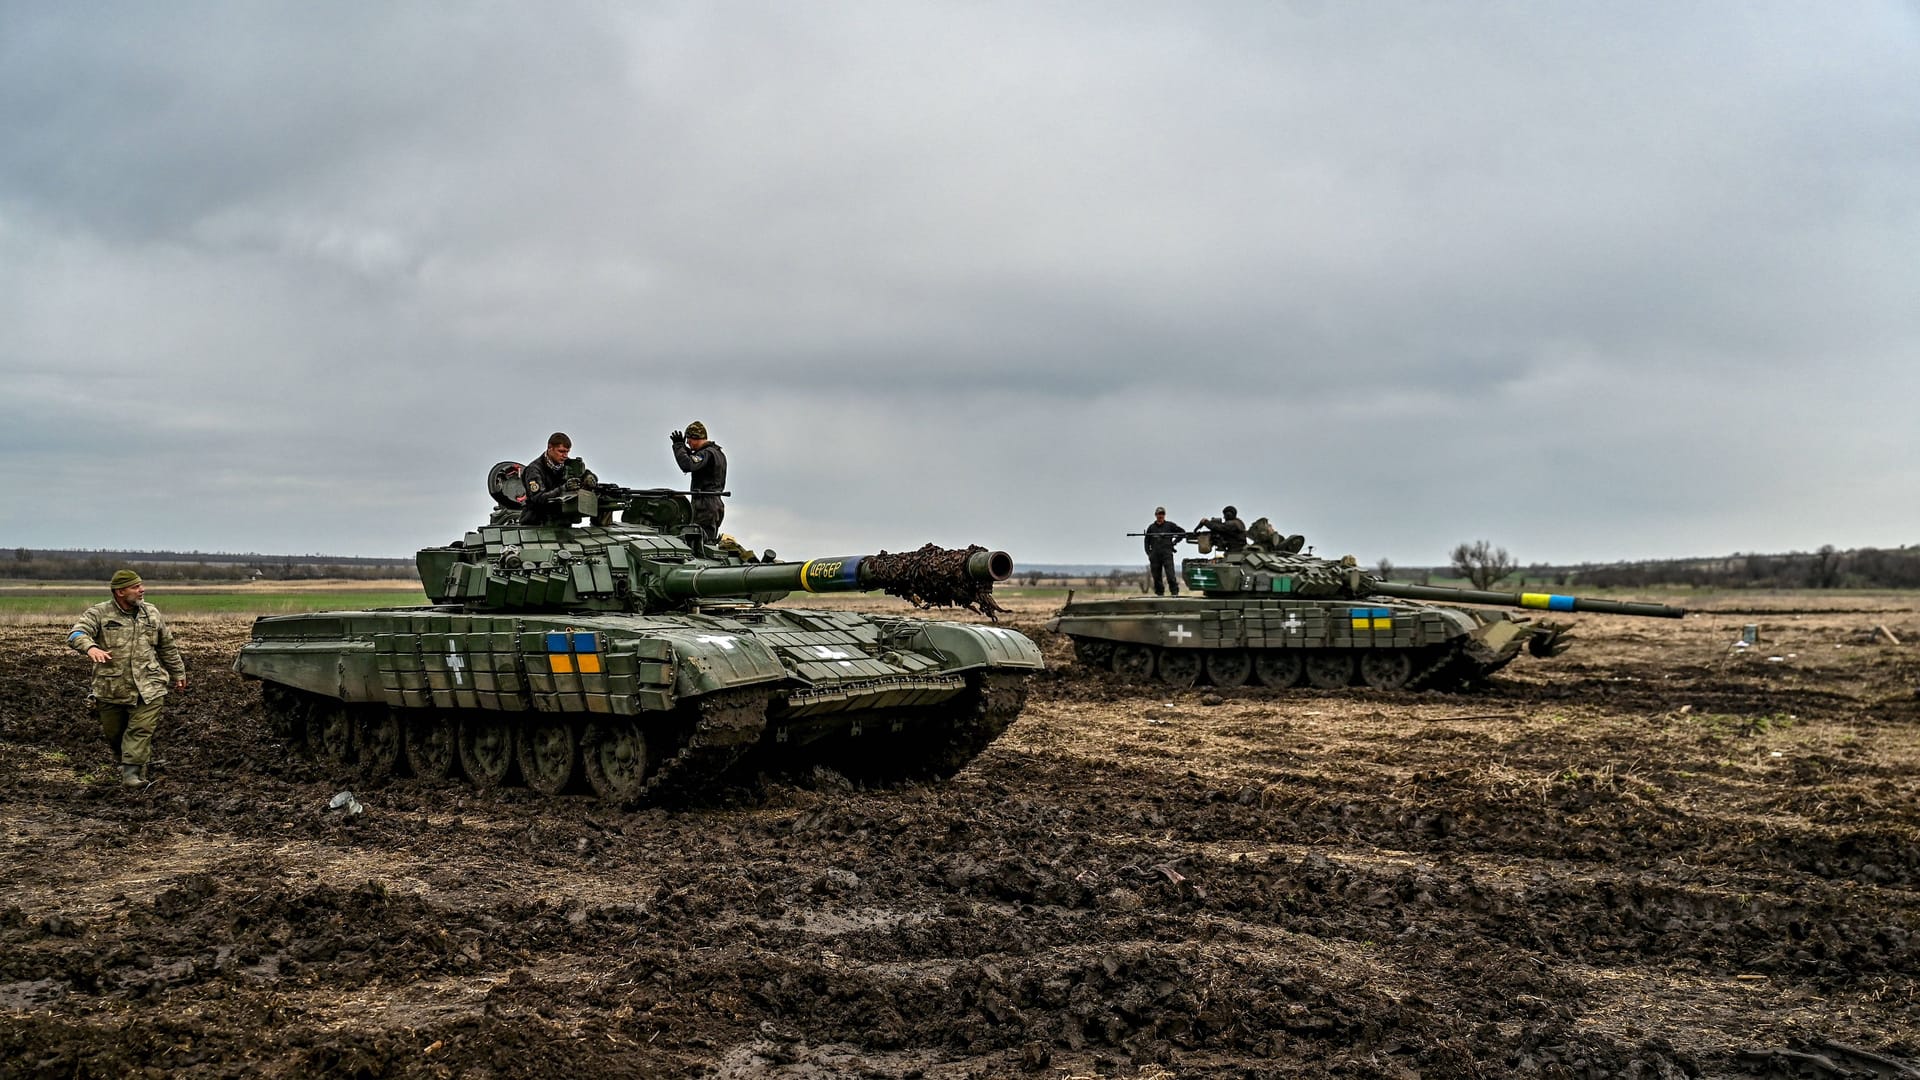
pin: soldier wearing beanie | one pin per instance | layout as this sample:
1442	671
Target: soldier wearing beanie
134	658
707	463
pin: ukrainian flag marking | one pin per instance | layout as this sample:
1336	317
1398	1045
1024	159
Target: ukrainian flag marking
1378	618
1546	601
568	653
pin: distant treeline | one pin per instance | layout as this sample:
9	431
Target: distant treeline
43	564
1827	568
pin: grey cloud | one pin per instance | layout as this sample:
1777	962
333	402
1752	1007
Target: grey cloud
1396	273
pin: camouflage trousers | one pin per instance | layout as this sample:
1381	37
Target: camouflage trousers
129	729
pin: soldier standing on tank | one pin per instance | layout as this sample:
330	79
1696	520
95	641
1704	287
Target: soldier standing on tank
134	656
703	458
547	482
1229	532
1163	537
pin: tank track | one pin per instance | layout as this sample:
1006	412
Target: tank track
1437	675
972	721
937	741
1450	667
727	726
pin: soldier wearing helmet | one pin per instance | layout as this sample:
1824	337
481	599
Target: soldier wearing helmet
1228	531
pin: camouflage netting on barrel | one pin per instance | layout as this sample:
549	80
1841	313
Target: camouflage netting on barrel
933	577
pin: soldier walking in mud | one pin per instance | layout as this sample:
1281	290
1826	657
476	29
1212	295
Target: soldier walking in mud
1163	537
134	656
707	463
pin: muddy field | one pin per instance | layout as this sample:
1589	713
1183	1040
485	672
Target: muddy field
1655	856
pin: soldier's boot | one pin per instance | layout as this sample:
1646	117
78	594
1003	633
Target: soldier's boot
130	776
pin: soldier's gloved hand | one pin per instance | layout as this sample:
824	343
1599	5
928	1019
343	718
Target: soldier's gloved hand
572	485
678	437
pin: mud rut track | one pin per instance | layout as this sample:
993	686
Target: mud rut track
1650	857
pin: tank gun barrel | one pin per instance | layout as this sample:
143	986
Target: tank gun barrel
841	573
931	576
1541	601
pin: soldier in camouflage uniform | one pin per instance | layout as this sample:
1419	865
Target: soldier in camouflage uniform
698	455
134	657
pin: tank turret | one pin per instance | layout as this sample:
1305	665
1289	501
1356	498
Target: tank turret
1270	612
618	647
1293	574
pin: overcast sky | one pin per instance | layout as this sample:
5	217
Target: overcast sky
1590	281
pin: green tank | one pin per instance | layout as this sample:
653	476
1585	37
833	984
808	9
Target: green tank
1270	614
618	650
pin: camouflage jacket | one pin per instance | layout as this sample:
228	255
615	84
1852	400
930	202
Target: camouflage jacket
146	659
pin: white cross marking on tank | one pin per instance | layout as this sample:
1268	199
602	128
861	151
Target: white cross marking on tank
725	641
1293	622
458	665
828	652
1180	633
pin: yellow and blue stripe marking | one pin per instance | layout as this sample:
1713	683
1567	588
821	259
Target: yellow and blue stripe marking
830	575
1546	601
1371	618
573	651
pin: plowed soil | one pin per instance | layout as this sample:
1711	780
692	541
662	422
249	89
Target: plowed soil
1655	856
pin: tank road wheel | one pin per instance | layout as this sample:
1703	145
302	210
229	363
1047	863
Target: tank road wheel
330	730
380	740
486	749
1279	668
1179	667
1330	670
1133	662
1386	669
1229	667
548	753
614	753
432	745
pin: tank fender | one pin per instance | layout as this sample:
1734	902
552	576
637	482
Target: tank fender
706	661
969	645
337	669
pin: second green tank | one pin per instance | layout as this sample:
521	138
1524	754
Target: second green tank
1283	618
